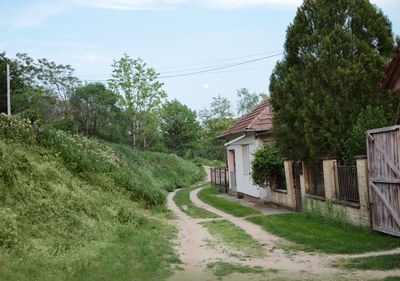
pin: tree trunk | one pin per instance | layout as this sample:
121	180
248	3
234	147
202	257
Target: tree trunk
134	132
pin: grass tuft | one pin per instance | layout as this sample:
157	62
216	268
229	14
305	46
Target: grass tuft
207	195
225	268
182	200
235	237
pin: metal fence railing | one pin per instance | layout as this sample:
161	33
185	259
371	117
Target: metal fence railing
220	178
316	180
346	181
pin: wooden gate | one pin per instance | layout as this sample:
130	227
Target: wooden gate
296	167
383	148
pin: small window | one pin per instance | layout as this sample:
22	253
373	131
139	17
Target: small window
246	159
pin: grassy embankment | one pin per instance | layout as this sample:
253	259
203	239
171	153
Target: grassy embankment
207	195
79	209
381	262
318	234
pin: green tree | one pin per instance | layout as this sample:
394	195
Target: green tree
95	110
369	118
247	101
214	121
179	127
335	53
142	94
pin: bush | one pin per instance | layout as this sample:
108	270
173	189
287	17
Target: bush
266	166
369	118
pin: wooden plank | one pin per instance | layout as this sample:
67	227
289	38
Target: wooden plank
384	230
382	130
386	203
385	180
388	159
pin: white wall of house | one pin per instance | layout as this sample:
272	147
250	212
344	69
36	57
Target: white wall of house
243	157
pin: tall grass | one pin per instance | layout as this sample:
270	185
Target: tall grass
73	208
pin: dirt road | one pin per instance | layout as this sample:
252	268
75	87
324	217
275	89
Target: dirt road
196	248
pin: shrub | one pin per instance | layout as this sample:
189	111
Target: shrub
267	166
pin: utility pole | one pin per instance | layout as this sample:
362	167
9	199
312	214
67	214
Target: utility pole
8	91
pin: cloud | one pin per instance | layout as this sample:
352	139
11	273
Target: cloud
205	86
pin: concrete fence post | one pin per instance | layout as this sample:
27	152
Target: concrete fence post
329	178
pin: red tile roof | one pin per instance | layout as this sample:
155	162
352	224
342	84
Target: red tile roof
392	73
258	119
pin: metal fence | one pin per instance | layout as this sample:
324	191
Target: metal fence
220	178
346	181
316	180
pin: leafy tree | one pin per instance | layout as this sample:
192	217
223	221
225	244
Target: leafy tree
369	118
267	166
247	101
335	53
141	92
214	121
179	127
95	109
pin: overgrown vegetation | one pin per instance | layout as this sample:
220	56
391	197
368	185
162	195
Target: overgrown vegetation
206	162
207	195
78	209
182	200
317	234
235	237
381	262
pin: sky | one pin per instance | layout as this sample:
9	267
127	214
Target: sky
241	39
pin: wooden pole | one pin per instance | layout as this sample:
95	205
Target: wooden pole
8	91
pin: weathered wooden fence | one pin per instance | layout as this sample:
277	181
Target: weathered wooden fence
383	148
220	178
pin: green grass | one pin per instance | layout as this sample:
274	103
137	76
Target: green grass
235	237
73	208
222	269
381	262
317	234
207	195
182	200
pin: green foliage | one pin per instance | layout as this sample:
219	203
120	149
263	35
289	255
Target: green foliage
247	101
381	262
179	127
207	162
182	200
326	210
235	237
317	234
369	118
266	165
141	93
96	113
207	195
335	54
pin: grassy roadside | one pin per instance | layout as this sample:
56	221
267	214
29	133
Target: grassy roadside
182	200
222	269
235	237
381	262
207	195
316	234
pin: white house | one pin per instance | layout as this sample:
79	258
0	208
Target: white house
249	132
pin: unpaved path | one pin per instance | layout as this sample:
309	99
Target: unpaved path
196	248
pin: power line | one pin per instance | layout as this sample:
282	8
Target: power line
221	67
219	60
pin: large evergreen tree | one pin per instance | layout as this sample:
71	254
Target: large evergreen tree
335	54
